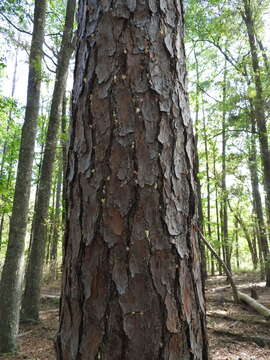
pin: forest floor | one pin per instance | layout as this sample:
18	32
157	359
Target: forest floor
235	332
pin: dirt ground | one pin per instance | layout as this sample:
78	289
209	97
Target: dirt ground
235	332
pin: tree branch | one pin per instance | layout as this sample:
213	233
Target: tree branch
227	271
15	27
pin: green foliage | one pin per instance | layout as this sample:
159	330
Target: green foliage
17	10
10	129
2	63
217	42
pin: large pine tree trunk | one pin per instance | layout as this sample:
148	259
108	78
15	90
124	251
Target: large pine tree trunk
132	284
10	287
30	303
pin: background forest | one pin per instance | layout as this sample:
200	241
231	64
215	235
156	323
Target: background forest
223	88
227	50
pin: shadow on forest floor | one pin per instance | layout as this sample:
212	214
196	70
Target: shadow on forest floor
235	331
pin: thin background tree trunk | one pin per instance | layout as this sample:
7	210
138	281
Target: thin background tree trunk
56	224
197	170
256	196
237	244
4	151
209	229
259	107
217	216
31	296
37	184
224	222
10	286
249	239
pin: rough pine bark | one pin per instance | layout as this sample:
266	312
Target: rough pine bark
10	286
31	296
132	285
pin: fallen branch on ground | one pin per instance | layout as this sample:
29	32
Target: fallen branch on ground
237	295
261	309
227	271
